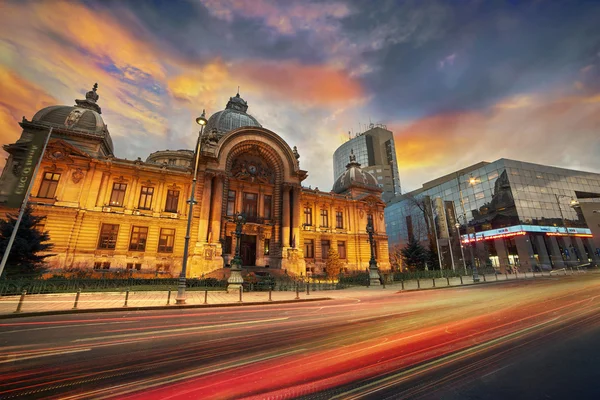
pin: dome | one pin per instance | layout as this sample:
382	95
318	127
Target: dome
71	117
180	158
84	115
232	117
355	177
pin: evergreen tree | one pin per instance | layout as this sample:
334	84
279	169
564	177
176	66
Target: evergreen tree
333	265
414	255
25	259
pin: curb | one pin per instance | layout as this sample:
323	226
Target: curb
153	308
475	284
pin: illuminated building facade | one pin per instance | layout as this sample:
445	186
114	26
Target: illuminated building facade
107	213
375	151
516	214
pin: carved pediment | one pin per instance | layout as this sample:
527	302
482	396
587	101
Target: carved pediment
252	167
62	151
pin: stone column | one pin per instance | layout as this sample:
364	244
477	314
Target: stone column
525	252
555	252
217	202
296	216
205	202
104	183
542	251
285	217
500	252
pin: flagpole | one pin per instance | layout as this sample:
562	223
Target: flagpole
13	235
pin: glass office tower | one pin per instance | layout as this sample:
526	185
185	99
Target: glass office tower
507	214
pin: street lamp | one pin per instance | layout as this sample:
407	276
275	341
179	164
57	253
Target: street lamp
180	299
574	203
373	274
235	280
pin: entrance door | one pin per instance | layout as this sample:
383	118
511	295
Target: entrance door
248	250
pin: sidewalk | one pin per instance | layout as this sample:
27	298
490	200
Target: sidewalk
63	303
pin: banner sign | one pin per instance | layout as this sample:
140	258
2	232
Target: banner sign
20	167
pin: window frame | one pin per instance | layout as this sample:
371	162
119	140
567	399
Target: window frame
339	220
48	185
146	195
324	218
118	193
325	244
172	200
267	206
309	248
164	236
308	216
139	236
342	245
231	197
105	239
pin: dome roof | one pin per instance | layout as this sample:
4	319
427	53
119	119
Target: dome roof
232	117
355	177
85	115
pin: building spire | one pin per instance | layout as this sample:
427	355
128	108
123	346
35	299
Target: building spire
91	98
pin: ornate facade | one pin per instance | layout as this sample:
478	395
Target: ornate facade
109	213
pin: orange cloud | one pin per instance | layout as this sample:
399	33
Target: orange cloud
545	132
19	98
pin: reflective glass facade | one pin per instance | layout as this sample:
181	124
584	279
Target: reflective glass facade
533	199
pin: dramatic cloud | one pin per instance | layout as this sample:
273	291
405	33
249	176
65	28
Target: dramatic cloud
457	84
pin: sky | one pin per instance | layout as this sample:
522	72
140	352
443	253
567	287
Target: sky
458	81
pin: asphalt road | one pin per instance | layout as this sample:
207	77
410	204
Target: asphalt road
527	339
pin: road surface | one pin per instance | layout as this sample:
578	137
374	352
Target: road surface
527	339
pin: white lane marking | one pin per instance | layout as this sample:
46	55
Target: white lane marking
48	354
67	326
198	328
499	369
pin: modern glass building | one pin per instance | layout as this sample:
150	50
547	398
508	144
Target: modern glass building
506	214
375	151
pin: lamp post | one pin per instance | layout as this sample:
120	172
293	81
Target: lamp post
234	283
472	181
373	273
180	299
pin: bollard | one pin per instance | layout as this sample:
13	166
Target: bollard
506	276
126	297
433	280
384	283
484	278
418	284
270	295
169	297
565	270
307	288
461	281
297	292
76	299
496	274
516	274
23	293
402	282
241	290
447	281
206	297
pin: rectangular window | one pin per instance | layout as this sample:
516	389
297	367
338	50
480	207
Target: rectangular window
339	219
309	248
106	265
324	218
117	197
267	207
108	236
97	265
342	250
231	202
146	198
172	204
48	186
325	245
307	216
166	240
139	234
250	205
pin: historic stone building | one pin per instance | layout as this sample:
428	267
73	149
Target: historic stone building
105	212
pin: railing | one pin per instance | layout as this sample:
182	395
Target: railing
40	286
